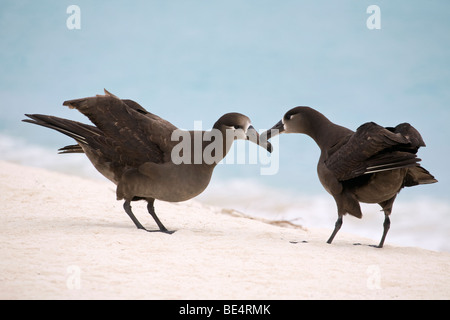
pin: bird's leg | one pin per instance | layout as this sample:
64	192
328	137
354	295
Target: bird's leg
151	210
387	208
337	226
386	226
127	207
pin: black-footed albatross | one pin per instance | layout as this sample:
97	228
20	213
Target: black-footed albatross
370	165
135	149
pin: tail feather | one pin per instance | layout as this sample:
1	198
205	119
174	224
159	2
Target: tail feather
76	130
418	175
71	149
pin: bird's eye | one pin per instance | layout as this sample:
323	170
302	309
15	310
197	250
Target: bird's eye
289	116
236	127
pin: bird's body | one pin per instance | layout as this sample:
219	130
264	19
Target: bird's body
134	149
370	165
165	181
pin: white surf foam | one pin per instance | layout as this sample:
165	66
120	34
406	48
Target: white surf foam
19	151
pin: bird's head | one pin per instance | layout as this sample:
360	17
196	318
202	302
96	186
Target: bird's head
239	126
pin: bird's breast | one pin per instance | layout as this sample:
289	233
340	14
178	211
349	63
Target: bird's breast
174	183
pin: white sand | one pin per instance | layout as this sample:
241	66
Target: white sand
63	237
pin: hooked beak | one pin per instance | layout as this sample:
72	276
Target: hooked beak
274	131
254	137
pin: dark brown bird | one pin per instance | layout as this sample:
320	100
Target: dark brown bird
370	165
143	154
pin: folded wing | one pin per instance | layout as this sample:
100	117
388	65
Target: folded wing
373	148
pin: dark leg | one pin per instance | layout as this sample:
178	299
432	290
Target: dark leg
151	210
127	207
387	208
337	226
386	226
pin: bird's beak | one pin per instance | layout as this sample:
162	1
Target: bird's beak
274	131
253	136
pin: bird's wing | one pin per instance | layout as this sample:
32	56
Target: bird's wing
138	108
127	103
136	137
413	136
373	148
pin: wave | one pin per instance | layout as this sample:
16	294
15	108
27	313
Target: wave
19	151
422	222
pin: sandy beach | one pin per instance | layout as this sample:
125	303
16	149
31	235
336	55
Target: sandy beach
64	237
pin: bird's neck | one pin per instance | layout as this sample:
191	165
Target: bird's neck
217	144
205	148
326	133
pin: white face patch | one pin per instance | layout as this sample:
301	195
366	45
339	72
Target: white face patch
287	124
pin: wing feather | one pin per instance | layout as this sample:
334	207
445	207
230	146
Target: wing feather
140	134
373	148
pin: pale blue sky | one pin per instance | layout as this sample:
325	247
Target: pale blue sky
195	60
